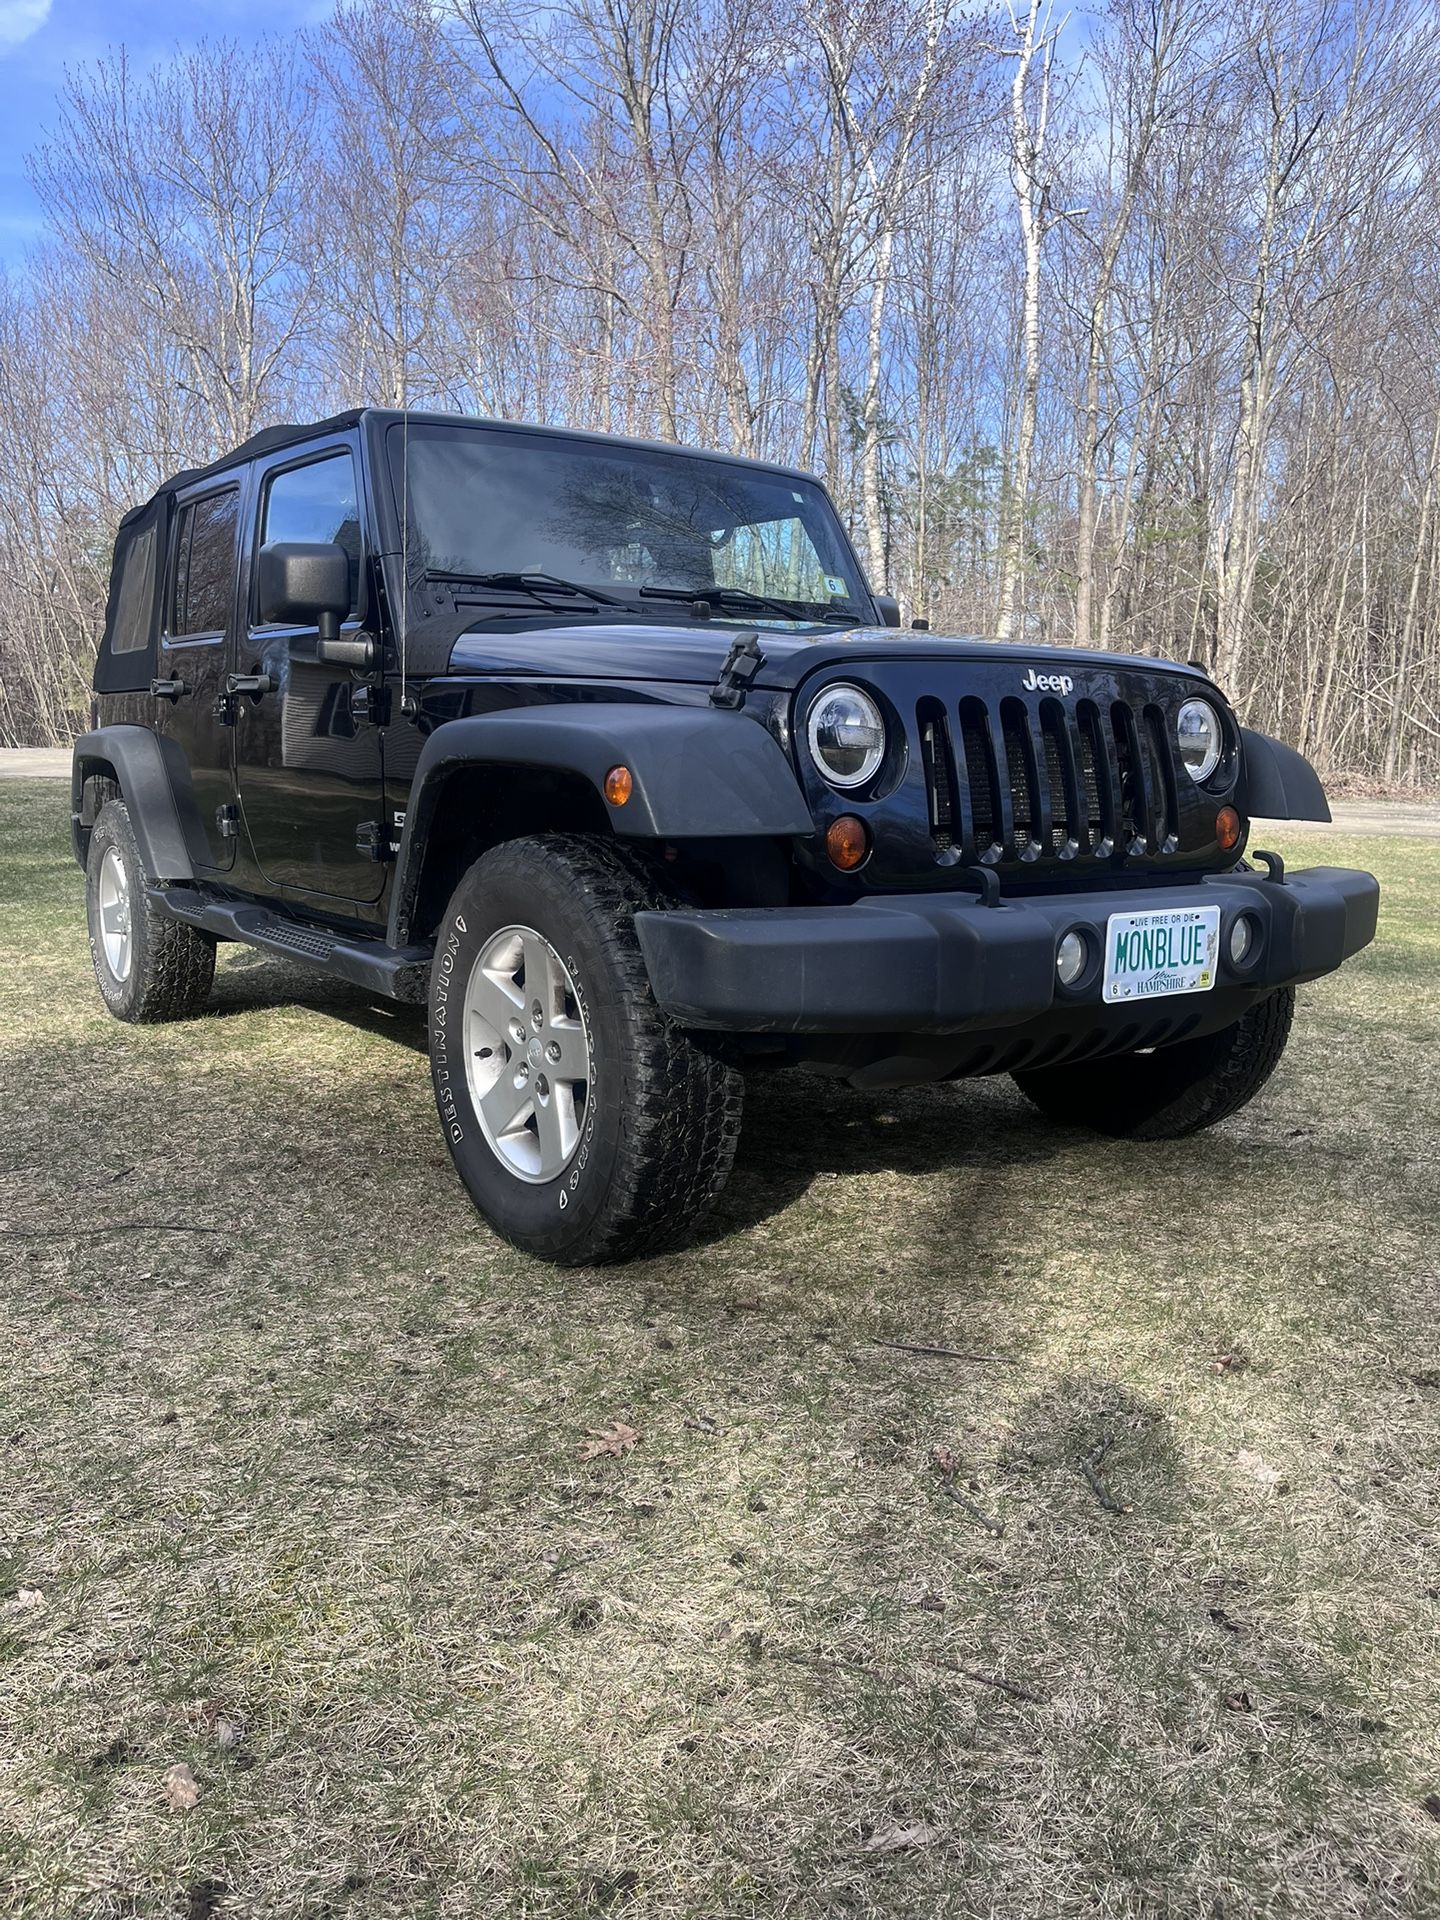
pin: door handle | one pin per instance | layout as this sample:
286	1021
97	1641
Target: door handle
256	683
168	689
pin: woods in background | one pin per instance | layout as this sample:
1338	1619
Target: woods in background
1118	327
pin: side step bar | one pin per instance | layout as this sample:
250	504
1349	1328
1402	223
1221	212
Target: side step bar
398	973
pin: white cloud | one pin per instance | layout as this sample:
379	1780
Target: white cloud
19	19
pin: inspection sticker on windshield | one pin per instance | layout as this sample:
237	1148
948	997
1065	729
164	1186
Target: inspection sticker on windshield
835	586
1169	950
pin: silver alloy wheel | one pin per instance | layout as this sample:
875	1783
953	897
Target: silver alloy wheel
527	1053
114	904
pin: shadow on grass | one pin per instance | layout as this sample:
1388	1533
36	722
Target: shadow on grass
989	1158
1116	1693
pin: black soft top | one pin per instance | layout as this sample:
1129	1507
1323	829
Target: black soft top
271	439
267	440
128	646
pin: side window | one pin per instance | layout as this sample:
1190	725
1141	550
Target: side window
203	583
131	631
316	502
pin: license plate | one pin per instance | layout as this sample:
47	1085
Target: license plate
1168	950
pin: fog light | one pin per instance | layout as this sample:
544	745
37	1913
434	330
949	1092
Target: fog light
1227	829
1070	958
847	842
1242	940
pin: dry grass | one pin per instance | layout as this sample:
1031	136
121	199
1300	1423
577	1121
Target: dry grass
284	1430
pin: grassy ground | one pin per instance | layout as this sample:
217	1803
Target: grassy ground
292	1491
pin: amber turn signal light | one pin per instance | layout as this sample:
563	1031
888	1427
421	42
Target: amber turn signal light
1227	829
847	842
618	786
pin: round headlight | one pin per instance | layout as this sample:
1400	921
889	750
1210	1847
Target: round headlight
846	731
1197	728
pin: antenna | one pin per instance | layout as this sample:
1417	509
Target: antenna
404	529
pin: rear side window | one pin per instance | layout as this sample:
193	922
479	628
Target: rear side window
131	630
316	502
204	579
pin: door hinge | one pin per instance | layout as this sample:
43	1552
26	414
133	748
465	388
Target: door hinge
372	704
227	819
372	839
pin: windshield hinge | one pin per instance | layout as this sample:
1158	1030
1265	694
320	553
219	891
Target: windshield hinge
742	663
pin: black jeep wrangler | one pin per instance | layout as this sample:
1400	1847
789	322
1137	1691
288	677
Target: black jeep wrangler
609	750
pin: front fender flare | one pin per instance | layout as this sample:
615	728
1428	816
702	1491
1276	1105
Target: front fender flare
1276	782
696	774
153	778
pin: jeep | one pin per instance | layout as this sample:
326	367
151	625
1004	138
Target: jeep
607	752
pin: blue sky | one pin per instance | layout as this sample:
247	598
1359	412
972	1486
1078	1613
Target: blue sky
40	38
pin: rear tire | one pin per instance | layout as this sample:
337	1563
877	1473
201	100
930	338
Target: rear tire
585	1124
147	967
1175	1090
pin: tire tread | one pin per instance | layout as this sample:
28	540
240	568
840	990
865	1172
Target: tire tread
1174	1091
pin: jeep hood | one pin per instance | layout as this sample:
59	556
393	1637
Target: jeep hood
659	652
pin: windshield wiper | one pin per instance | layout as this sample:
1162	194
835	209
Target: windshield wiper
536	582
736	597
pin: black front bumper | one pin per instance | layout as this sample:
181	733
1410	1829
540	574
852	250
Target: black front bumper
948	964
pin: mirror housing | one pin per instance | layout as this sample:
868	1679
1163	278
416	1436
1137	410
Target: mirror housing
307	583
889	608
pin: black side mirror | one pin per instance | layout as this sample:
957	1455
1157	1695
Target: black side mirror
308	581
889	608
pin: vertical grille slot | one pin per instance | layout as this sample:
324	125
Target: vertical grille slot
1019	775
1163	763
981	775
1137	805
1096	783
1068	827
937	757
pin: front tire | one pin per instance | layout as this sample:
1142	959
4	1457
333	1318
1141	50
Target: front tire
147	967
586	1126
1174	1090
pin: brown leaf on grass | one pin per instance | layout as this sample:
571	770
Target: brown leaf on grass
894	1837
25	1600
945	1462
1223	1619
1229	1363
613	1439
182	1789
214	1720
1238	1702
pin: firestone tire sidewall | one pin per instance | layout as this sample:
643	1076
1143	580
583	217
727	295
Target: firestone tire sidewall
556	1218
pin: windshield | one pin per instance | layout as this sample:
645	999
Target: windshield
626	521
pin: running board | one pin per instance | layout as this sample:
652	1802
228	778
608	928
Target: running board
399	973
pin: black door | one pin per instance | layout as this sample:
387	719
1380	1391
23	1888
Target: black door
198	628
307	755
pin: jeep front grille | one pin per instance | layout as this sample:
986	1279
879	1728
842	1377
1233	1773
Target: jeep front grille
1007	780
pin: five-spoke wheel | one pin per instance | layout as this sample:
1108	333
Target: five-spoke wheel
527	1053
586	1125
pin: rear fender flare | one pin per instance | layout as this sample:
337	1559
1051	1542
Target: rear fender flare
695	774
154	783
